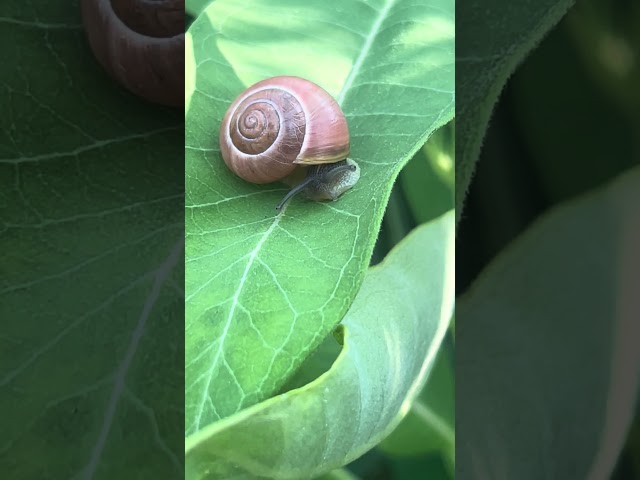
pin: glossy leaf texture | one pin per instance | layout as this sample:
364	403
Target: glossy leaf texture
392	334
547	345
494	37
91	261
262	291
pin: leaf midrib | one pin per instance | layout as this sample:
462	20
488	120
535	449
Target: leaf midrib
252	257
162	274
355	69
366	47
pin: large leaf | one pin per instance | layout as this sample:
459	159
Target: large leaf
391	336
91	271
495	36
430	424
547	345
195	7
262	291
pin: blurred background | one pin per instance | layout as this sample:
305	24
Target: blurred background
567	122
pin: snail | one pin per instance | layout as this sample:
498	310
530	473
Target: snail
291	130
140	44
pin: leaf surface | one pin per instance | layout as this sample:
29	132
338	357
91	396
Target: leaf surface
195	7
547	359
91	270
392	334
428	179
262	291
494	37
430	424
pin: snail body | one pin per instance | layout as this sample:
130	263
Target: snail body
283	124
140	44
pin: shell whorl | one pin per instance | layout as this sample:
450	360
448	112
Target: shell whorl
264	117
140	43
278	124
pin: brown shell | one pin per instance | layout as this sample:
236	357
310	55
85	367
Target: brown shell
278	124
140	44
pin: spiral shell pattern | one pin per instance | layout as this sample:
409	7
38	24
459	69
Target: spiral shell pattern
278	124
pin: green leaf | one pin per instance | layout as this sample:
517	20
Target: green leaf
495	36
195	7
428	179
547	354
319	362
391	336
430	424
340	474
91	271
262	291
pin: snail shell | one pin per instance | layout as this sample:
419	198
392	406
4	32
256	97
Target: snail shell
279	124
140	44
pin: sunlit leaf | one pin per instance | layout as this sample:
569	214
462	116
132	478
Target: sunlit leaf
262	291
391	337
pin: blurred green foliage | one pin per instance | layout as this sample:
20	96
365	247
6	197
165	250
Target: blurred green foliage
568	122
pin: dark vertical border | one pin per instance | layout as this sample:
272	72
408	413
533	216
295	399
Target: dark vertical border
91	248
